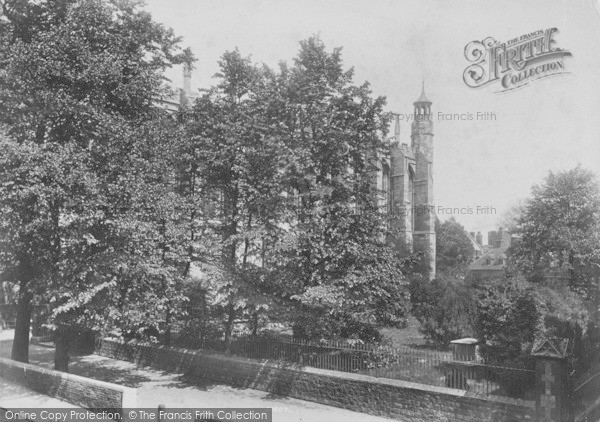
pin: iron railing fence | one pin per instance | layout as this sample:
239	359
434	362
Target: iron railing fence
439	368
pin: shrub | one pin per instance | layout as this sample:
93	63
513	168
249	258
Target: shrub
443	306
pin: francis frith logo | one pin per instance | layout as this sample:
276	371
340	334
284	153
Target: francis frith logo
516	62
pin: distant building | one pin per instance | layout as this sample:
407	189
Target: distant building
494	256
476	242
183	97
495	238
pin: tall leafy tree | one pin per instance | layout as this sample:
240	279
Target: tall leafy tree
453	246
559	223
333	257
77	78
239	173
288	159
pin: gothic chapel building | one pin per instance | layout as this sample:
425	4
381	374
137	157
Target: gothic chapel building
407	183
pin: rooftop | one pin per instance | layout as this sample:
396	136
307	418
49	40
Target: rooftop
423	98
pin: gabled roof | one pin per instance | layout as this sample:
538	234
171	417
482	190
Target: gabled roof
495	256
550	347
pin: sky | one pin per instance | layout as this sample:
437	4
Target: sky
551	124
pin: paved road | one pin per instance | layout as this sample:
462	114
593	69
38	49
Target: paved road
15	396
173	390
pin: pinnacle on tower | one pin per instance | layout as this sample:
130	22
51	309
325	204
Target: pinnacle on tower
397	128
422	105
422	201
423	98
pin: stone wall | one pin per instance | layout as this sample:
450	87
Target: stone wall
80	391
401	400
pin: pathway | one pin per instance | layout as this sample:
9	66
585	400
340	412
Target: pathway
174	391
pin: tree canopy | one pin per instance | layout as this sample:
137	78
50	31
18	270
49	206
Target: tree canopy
110	204
559	224
288	157
453	246
82	193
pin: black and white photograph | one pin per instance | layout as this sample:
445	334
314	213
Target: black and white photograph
300	210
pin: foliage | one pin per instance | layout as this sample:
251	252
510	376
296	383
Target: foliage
558	238
512	313
556	228
508	318
334	254
288	160
558	224
239	178
506	313
443	306
453	246
265	184
86	193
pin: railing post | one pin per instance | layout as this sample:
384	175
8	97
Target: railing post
552	389
463	350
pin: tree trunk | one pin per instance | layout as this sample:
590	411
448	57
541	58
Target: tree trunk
167	338
61	353
255	323
229	327
20	348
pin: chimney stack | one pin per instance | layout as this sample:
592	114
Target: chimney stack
479	239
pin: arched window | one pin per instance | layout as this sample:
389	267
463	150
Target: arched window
385	186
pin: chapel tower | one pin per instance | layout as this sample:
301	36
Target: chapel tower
411	183
424	210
